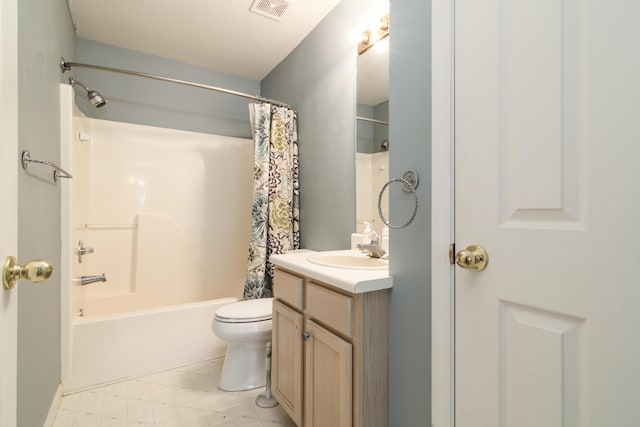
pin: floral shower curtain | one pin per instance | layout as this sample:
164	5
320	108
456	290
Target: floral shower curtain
275	212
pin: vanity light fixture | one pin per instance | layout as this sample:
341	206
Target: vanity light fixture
384	23
370	37
365	37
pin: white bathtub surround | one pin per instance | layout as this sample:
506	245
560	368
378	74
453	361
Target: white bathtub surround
168	214
186	397
166	211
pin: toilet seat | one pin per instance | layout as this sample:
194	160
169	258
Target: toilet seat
246	311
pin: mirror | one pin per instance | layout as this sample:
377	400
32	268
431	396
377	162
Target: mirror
372	134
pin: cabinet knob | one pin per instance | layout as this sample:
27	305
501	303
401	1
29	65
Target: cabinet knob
306	336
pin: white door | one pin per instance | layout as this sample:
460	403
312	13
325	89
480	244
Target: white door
547	180
9	210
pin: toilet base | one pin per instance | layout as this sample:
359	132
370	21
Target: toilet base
243	367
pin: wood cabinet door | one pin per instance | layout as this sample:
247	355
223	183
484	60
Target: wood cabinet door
286	359
328	378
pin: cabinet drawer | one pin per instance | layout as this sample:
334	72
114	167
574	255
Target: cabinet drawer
288	288
331	308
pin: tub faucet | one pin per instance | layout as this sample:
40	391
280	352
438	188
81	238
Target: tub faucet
374	250
86	280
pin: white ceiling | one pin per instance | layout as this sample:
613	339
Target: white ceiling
221	35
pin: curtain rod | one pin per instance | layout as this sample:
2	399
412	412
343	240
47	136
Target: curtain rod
66	66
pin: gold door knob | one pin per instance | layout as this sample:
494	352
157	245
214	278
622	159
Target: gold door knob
473	258
34	271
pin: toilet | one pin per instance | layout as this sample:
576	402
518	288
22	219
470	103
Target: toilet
246	328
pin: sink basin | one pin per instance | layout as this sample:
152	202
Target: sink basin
354	260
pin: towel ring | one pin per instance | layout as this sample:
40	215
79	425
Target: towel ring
409	182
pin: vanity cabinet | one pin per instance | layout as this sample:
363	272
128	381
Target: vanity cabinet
286	359
328	377
329	353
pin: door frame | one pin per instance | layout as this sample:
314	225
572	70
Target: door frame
442	211
9	165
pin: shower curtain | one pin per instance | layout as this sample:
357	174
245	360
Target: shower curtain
275	212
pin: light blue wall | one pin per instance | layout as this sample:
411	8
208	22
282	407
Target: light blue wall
318	79
156	103
365	132
380	132
370	135
44	34
410	137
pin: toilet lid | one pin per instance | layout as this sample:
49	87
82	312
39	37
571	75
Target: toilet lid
252	310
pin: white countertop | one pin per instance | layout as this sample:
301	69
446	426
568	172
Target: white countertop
351	280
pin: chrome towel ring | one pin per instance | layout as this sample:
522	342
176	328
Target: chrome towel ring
409	182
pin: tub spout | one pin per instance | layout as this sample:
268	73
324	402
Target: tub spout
86	280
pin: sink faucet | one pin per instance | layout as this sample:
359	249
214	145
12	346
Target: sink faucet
374	250
86	280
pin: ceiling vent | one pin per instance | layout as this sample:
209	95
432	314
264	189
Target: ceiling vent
274	9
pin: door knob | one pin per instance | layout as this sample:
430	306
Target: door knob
34	271
473	258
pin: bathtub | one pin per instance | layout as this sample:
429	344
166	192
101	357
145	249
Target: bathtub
168	214
110	348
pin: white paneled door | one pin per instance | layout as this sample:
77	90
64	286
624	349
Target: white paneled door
547	180
9	210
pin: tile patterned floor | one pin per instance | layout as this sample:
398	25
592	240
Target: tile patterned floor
181	397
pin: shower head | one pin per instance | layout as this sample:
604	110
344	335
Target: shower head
95	98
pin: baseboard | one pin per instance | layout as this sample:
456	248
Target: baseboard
53	409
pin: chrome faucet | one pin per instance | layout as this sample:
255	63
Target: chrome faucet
374	250
86	280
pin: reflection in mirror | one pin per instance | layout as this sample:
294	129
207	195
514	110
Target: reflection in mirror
372	134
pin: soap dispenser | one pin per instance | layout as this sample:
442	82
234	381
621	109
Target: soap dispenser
385	239
366	238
